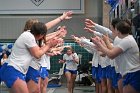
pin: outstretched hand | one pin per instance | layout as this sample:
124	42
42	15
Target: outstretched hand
89	30
76	39
89	23
66	15
61	61
99	43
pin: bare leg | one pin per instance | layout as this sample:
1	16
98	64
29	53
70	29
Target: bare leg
120	85
44	84
33	87
73	76
69	81
129	89
100	88
104	85
117	90
19	86
97	87
109	86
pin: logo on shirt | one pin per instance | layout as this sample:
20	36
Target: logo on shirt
37	2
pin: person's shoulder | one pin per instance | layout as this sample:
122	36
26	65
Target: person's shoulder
27	35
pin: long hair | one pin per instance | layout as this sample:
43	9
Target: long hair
29	24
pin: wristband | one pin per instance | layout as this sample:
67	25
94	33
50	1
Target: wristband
60	19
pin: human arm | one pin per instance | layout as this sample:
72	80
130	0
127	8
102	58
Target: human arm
111	53
89	46
106	39
90	24
66	15
58	34
62	60
75	58
37	51
94	32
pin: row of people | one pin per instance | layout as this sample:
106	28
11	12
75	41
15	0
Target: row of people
117	49
116	66
30	56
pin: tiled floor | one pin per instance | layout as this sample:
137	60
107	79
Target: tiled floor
62	89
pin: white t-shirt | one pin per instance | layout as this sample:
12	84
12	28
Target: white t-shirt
46	61
35	63
89	46
70	64
103	30
102	61
128	61
20	57
117	40
97	59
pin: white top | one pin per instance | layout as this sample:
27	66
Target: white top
70	64
89	46
20	57
35	63
117	40
97	59
102	61
103	30
46	62
98	34
128	61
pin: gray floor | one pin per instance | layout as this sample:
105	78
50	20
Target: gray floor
62	89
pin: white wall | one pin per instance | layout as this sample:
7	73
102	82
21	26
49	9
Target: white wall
11	25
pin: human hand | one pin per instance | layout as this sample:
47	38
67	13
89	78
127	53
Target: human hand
89	23
66	15
89	30
61	61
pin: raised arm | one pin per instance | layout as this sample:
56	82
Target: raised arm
58	34
66	15
90	24
37	51
94	32
89	46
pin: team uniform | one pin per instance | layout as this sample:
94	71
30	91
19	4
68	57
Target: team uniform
112	69
45	66
89	46
19	59
116	76
128	62
71	66
33	71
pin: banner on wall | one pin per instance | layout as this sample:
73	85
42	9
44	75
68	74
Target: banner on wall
40	6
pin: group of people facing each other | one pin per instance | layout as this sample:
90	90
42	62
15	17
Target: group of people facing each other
26	69
115	63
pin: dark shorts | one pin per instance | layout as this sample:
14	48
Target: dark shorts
115	78
101	72
94	72
32	74
9	75
133	79
71	71
108	72
44	72
98	80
